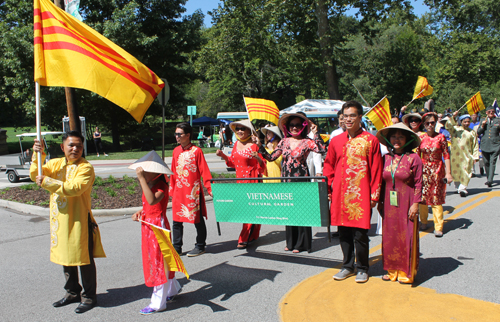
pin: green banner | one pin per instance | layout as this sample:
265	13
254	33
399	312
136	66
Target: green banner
282	203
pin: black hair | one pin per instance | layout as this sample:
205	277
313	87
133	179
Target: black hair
341	112
186	128
355	104
408	136
75	134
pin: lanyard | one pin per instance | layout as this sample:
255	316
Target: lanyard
394	173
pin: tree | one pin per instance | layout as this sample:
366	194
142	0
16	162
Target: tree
151	31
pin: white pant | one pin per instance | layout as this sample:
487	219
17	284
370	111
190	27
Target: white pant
460	187
161	292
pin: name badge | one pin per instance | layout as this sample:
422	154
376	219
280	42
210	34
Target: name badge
394	198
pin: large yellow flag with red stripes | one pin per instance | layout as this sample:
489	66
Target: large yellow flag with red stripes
172	259
380	114
422	88
261	109
71	54
475	104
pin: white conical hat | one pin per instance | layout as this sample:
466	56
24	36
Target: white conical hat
151	162
274	129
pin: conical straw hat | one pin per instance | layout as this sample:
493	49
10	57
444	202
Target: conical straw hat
151	162
382	134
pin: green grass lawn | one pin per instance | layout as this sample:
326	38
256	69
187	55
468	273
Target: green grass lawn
128	155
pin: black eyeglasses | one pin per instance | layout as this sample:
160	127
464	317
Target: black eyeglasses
179	134
240	128
430	123
414	120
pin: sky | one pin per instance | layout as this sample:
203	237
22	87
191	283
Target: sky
208	5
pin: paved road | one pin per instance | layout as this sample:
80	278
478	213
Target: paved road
228	284
104	168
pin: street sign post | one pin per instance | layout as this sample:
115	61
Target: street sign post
163	98
191	110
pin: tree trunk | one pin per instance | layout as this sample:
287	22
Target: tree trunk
331	77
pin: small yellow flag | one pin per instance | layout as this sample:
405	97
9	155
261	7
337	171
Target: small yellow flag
380	114
261	109
172	259
422	88
475	104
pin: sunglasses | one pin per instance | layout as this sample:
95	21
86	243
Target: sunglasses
178	134
430	123
414	120
240	128
297	125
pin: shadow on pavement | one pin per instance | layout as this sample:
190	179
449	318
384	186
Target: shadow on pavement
120	296
433	267
272	237
223	280
301	258
459	223
320	241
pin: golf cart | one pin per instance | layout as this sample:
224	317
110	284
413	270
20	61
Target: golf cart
22	170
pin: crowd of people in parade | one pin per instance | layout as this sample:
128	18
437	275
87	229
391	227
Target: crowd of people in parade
400	171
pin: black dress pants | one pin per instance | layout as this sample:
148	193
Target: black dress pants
354	243
88	274
490	162
201	234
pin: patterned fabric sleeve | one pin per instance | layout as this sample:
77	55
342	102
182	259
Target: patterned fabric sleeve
329	165
173	177
444	147
320	146
83	180
375	159
275	154
204	170
417	168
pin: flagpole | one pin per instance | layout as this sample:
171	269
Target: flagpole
462	107
375	105
361	95
38	127
415	97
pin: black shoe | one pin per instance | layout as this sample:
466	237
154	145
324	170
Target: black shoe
463	194
65	301
84	307
489	184
196	252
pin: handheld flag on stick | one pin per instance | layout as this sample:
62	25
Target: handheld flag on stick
497	109
172	259
380	114
261	109
474	104
69	53
422	88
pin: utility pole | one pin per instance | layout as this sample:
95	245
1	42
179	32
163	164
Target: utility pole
74	118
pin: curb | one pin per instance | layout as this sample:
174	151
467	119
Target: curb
44	212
